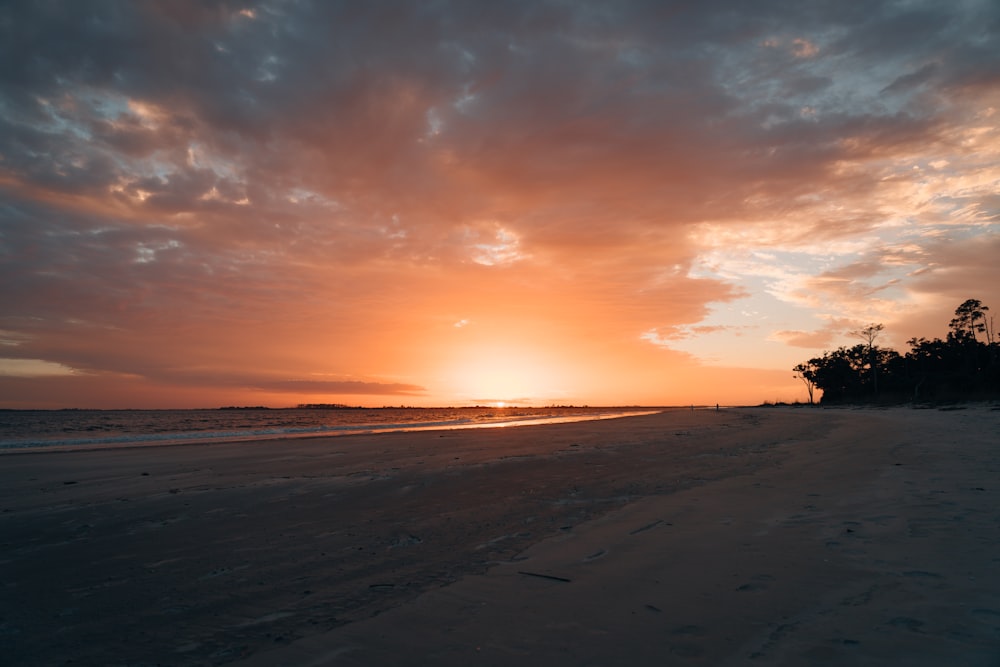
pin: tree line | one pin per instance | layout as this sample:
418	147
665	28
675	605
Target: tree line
966	365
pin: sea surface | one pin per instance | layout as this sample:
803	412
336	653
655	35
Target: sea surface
21	429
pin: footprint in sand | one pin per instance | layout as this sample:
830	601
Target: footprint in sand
860	599
907	622
988	616
921	574
690	631
685	646
757	583
687	650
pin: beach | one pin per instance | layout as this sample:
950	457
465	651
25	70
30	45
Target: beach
776	536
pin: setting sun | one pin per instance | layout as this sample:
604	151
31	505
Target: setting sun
504	376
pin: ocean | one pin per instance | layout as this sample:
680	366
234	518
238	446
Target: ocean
22	429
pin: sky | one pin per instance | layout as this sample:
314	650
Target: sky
448	203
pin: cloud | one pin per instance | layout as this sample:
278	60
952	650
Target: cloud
663	337
340	387
32	368
806	339
315	187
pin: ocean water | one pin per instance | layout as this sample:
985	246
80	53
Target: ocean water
21	429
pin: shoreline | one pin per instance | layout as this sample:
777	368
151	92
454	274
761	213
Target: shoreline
341	546
334	431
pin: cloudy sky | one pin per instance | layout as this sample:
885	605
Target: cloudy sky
440	203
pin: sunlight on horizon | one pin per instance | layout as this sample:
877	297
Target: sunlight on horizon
503	376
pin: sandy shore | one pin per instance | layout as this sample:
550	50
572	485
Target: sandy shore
750	536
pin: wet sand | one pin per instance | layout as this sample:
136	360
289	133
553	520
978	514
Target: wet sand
763	536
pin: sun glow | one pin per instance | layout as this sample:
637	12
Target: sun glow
503	377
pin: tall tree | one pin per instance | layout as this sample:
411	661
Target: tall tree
970	318
869	334
807	373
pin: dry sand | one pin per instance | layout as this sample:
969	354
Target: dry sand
752	536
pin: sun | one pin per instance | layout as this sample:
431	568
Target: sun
501	377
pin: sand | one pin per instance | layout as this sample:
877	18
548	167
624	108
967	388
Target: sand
773	536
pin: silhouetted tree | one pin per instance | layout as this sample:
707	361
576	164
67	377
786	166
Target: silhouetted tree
869	334
807	373
933	366
840	374
962	365
970	318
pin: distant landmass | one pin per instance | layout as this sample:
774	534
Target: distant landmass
324	406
